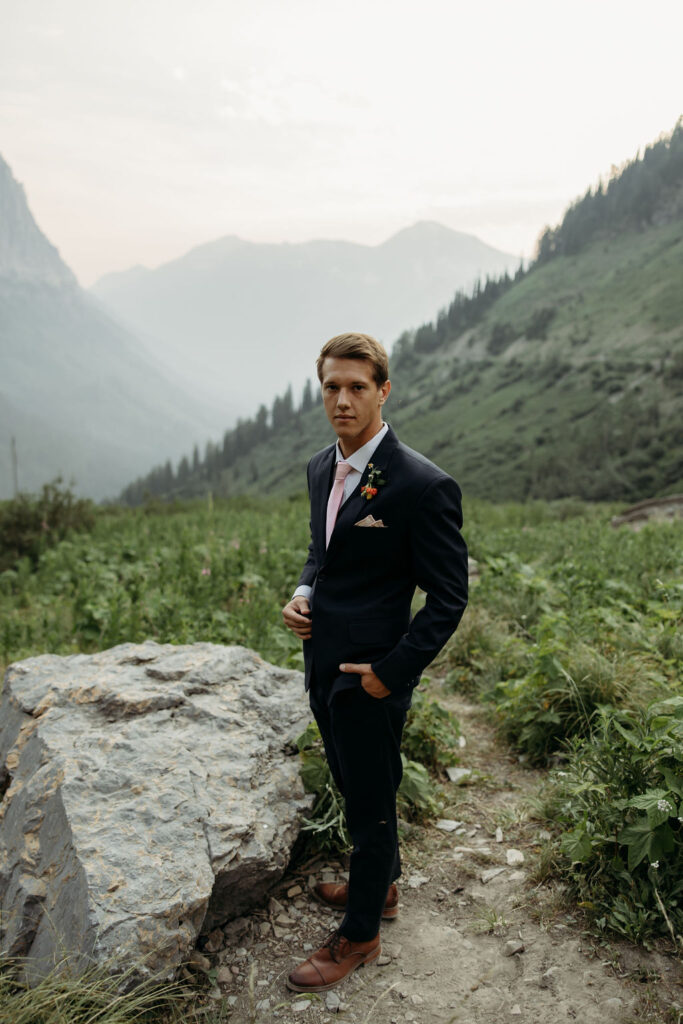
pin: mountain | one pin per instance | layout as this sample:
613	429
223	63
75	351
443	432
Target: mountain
240	319
78	392
566	379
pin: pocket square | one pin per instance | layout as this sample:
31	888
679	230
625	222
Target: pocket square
370	521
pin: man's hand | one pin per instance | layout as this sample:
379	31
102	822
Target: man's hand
371	683
297	617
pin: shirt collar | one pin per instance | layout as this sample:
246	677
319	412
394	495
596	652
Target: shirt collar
360	459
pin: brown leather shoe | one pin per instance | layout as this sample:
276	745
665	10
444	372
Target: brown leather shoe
333	962
335	894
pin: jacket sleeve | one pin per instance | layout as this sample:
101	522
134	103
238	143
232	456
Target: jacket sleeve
440	564
310	568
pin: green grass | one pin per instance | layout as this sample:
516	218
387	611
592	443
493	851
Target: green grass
570	621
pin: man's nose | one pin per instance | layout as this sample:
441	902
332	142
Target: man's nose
343	399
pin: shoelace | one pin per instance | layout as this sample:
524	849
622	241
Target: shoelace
333	943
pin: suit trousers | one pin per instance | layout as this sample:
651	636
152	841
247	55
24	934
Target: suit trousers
362	739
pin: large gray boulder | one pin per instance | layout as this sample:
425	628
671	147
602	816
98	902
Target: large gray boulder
148	794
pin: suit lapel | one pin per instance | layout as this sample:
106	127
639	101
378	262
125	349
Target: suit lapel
321	485
353	508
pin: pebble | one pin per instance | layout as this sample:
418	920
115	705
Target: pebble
215	993
514	857
298	1007
295	890
284	920
274	906
513	946
224	976
215	941
416	1000
416	880
458	774
232	1000
263	1004
235	970
200	961
490	873
548	979
383	960
499	835
517	876
332	1001
448	825
264	927
516	1010
308	946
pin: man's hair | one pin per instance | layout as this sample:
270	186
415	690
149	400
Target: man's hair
356	346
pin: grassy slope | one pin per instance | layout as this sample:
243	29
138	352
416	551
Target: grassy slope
593	409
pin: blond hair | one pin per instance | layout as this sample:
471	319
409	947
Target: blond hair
354	345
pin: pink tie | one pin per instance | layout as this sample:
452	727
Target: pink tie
335	498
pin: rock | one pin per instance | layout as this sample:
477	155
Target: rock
295	890
215	941
234	930
416	880
149	797
458	774
383	960
332	1001
197	959
516	1010
448	825
513	946
514	857
416	1000
490	873
517	876
263	1004
548	978
224	976
300	1006
499	835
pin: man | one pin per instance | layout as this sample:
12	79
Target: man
383	520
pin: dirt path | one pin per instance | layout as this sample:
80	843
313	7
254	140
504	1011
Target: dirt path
475	941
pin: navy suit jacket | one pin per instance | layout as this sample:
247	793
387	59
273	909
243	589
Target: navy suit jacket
364	583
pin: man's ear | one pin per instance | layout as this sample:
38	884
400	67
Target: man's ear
384	391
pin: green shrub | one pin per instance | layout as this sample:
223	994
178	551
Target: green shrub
481	653
431	733
28	525
620	802
568	681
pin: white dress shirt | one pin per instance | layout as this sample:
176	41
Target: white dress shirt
358	461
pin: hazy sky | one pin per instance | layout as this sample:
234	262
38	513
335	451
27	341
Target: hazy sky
140	129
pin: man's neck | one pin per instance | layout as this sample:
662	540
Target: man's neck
350	447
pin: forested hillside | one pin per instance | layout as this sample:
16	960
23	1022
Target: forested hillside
566	379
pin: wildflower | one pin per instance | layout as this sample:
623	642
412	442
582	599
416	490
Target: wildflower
206	571
654	864
680	821
664	805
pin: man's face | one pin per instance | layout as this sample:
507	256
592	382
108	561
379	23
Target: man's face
353	401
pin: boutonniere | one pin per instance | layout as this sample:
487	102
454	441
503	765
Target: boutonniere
375	480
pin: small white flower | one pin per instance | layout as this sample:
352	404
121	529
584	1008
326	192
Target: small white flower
680	821
664	805
562	773
654	864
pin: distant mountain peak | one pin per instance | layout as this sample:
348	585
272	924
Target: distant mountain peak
25	252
